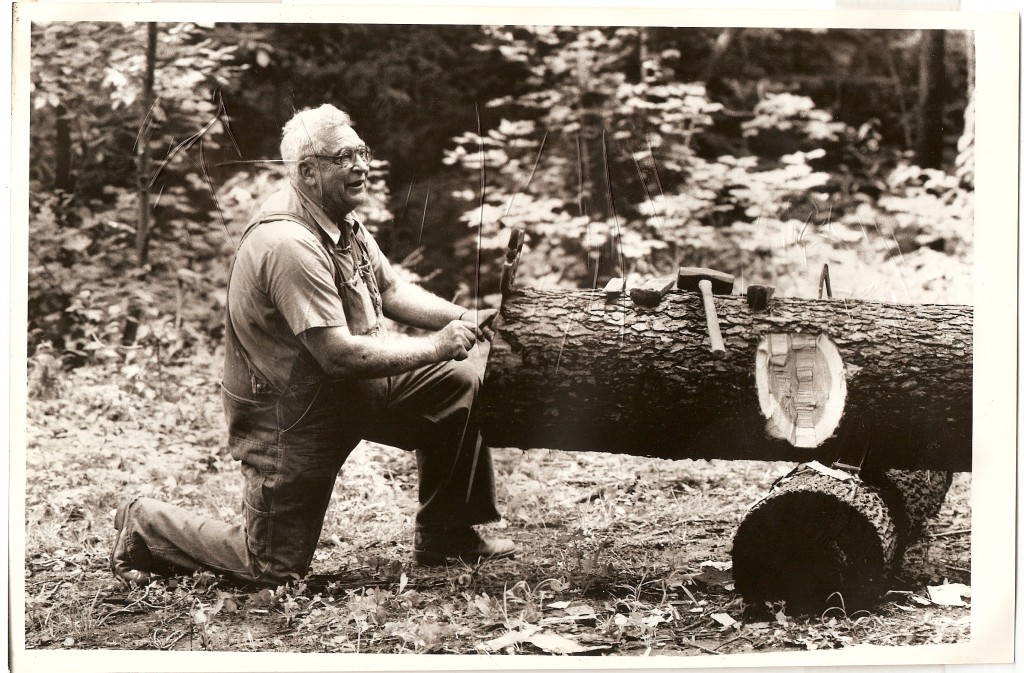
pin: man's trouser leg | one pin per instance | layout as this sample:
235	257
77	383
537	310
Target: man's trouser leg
165	538
434	411
290	458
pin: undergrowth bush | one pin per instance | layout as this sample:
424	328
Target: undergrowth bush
835	197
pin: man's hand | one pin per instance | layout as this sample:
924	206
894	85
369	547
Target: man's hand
481	321
455	341
484	321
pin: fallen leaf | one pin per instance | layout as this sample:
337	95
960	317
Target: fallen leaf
724	619
556	644
582	612
717	565
560	605
654	620
949	594
262	599
509	639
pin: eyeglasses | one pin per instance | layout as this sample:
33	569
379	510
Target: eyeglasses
347	157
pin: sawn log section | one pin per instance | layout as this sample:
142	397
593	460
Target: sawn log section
569	370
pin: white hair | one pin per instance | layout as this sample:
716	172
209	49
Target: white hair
306	132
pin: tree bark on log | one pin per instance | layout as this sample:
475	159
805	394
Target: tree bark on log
815	537
570	370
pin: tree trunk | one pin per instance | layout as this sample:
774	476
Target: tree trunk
718	52
62	164
965	145
634	68
569	370
931	99
815	538
142	151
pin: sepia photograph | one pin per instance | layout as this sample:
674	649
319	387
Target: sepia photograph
641	337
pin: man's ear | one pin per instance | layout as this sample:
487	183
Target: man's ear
307	172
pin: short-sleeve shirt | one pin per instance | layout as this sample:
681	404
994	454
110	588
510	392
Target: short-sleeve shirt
288	278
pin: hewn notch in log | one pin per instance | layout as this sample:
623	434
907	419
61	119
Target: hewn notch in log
801	387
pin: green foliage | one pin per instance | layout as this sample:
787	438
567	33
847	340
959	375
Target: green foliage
101	95
85	293
601	142
87	296
801	193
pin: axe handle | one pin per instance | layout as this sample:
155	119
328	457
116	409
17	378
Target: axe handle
714	333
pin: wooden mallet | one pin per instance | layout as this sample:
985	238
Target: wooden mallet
708	282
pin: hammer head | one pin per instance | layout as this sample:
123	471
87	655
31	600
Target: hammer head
690	277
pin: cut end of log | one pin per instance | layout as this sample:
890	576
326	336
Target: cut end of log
812	540
801	387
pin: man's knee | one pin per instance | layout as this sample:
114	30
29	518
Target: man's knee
468	374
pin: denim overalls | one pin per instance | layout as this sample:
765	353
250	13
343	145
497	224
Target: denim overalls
291	442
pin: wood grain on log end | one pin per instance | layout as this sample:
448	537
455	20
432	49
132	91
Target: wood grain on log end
814	537
801	387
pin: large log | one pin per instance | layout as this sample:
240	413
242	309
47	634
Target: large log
817	540
569	370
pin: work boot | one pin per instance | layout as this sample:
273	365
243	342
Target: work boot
439	545
121	563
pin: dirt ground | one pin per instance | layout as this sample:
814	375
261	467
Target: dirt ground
616	555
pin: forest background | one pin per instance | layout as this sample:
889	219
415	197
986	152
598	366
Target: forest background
622	151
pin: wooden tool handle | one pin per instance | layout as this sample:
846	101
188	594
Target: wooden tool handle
511	267
717	344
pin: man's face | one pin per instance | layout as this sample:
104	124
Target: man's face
340	188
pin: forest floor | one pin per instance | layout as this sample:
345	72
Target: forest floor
617	555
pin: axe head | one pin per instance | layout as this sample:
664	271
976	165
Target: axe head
690	277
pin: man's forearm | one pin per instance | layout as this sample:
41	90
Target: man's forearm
342	355
412	305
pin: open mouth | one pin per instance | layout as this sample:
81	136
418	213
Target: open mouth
357	184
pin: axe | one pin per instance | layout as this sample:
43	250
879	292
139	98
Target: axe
708	282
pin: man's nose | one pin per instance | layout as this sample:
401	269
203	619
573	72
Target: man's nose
359	163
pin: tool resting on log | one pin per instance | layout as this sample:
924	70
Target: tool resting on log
803	380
